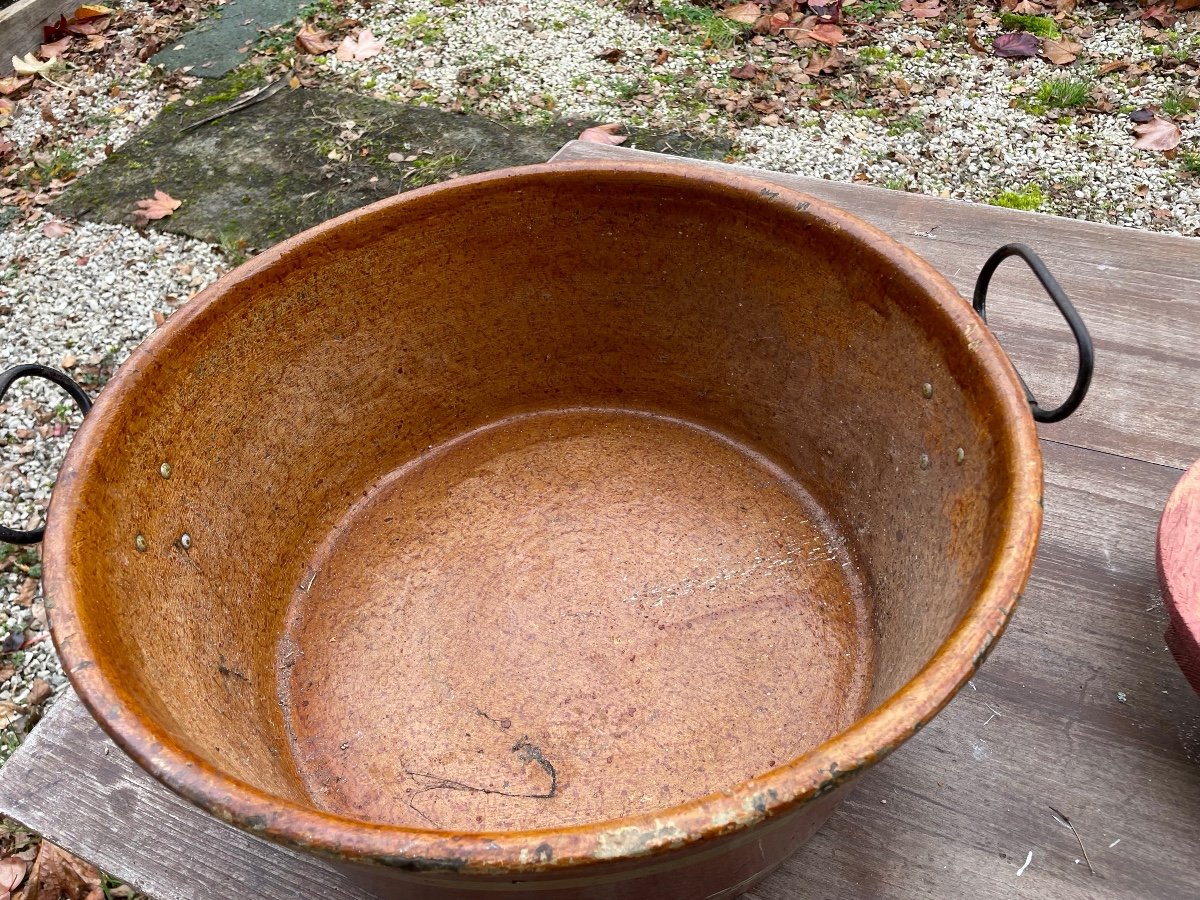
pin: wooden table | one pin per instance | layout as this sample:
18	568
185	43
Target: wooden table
1080	708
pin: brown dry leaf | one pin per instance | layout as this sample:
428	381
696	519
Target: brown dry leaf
1061	53
9	713
1186	5
1015	44
29	586
361	46
313	40
828	33
12	873
96	41
1157	134
89	27
745	72
49	51
745	13
6	107
823	65
1159	14
663	56
57	875
159	206
772	24
923	9
39	693
6	672
83	13
603	134
1028	8
1113	66
611	55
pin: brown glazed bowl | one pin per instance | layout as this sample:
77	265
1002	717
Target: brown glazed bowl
568	531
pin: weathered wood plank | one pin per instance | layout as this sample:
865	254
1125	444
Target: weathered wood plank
70	783
951	814
1138	292
21	26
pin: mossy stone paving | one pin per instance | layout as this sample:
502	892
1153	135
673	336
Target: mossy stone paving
222	40
260	175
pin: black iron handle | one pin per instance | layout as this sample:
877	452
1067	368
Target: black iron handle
1083	376
33	370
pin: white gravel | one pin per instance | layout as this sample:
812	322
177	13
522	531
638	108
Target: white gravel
969	141
79	301
961	130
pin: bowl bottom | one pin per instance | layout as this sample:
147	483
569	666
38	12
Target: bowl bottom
569	616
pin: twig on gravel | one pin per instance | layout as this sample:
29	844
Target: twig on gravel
245	103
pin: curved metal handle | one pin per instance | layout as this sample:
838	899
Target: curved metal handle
1083	376
33	370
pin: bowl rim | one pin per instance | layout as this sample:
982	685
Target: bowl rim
785	788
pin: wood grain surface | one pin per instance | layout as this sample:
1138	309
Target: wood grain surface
21	27
1081	707
1138	292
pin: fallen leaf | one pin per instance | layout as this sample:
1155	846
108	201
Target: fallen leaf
313	40
828	33
364	45
39	693
923	9
294	82
14	640
1187	5
159	206
611	55
12	873
1141	116
57	875
745	13
29	586
91	11
96	41
90	27
9	713
1157	134
6	107
831	12
1028	8
69	361
823	65
1159	15
1062	52
1015	44
1114	65
49	51
745	72
48	115
55	31
663	56
772	24
603	134
6	672
30	64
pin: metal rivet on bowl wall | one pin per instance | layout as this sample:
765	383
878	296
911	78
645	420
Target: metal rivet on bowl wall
924	460
140	543
185	541
927	390
959	455
165	470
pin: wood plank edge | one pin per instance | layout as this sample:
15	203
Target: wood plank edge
579	151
